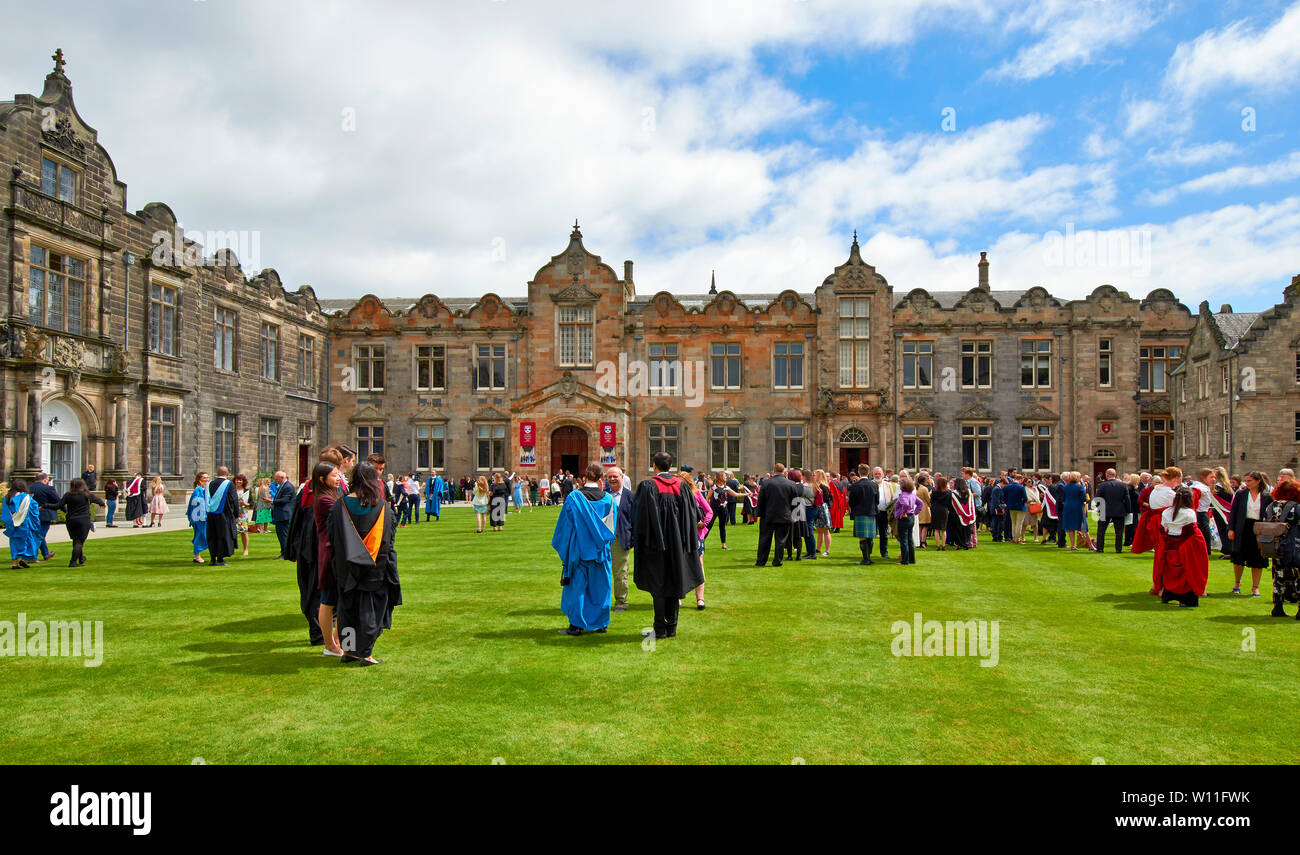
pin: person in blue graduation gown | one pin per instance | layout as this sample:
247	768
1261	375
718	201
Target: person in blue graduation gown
197	513
433	488
22	521
223	511
588	522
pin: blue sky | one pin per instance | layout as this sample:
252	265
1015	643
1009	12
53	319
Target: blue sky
749	138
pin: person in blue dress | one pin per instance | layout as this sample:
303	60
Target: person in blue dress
1073	499
587	524
22	521
433	490
517	493
197	513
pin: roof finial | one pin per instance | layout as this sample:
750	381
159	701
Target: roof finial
57	56
713	281
855	237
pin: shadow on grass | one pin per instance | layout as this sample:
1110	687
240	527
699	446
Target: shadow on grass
1139	601
258	657
550	637
267	623
1255	619
556	612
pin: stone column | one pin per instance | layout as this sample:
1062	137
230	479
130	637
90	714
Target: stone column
31	461
119	436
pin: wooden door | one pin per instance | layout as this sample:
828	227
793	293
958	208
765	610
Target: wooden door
571	442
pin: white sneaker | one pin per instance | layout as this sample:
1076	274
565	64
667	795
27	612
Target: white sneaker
826	555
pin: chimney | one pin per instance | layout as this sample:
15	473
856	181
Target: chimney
1225	309
984	271
627	270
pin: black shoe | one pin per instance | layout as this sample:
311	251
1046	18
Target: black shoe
776	563
672	633
602	629
866	561
651	633
573	630
759	564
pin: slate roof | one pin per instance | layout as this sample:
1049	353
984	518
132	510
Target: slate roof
1234	325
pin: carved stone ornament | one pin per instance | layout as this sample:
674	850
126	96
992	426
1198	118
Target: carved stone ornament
69	352
34	346
919	302
63	137
662	304
568	385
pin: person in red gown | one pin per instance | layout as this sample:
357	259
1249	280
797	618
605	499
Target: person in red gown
1148	535
839	504
1182	562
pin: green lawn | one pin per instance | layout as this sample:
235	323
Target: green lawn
790	662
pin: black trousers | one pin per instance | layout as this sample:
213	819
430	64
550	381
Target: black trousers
309	600
1203	523
719	520
766	533
1118	523
666	609
1131	531
282	534
731	512
882	532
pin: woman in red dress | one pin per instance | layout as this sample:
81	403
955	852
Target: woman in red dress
839	505
1183	562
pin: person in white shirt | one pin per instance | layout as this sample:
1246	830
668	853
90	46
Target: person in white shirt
1182	565
886	490
1204	487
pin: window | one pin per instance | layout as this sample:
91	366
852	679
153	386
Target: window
429	446
1202	382
491	446
223	443
1297	366
1186	430
306	362
976	446
162	319
1224	379
1035	363
725	365
977	365
576	337
1154	364
270	352
918	364
1155	439
789	444
268	445
370	440
663	437
430	367
917	446
58	180
1203	437
306	432
724	446
369	360
664	369
1036	448
57	286
1104	378
490	367
855	341
225	322
1226	434
787	365
162	439
1182	388
1297	427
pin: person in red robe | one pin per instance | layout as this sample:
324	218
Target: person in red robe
1148	526
1183	561
839	504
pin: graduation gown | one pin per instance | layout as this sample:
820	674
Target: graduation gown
433	488
197	514
665	556
839	505
582	537
22	521
223	511
1148	524
498	504
135	500
1184	564
300	548
365	567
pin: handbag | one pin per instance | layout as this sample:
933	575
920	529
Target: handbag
1035	507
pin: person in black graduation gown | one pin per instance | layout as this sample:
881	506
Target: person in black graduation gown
361	527
499	502
223	532
665	557
300	547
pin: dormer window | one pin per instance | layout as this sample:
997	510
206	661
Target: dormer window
577	334
59	180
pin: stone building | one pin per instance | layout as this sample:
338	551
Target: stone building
126	345
1238	391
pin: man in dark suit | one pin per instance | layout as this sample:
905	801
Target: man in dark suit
282	493
621	546
1114	495
775	499
864	506
43	493
732	484
91	477
995	502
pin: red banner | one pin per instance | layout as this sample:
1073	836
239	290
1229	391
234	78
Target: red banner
528	433
607	435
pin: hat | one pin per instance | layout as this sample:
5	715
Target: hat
686	468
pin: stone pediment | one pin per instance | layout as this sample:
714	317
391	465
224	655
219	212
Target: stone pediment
919	300
726	412
1108	415
978	301
787	413
1159	406
856	274
1037	297
429	413
574	393
976	413
1037	413
576	293
368	413
663	414
489	414
920	411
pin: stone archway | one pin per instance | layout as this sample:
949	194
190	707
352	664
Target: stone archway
853	447
569	446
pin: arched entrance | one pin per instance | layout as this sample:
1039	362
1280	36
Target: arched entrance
1102	460
854	446
60	443
569	450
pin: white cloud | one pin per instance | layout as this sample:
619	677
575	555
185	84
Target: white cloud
1277	172
1192	155
1074	33
1241	55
